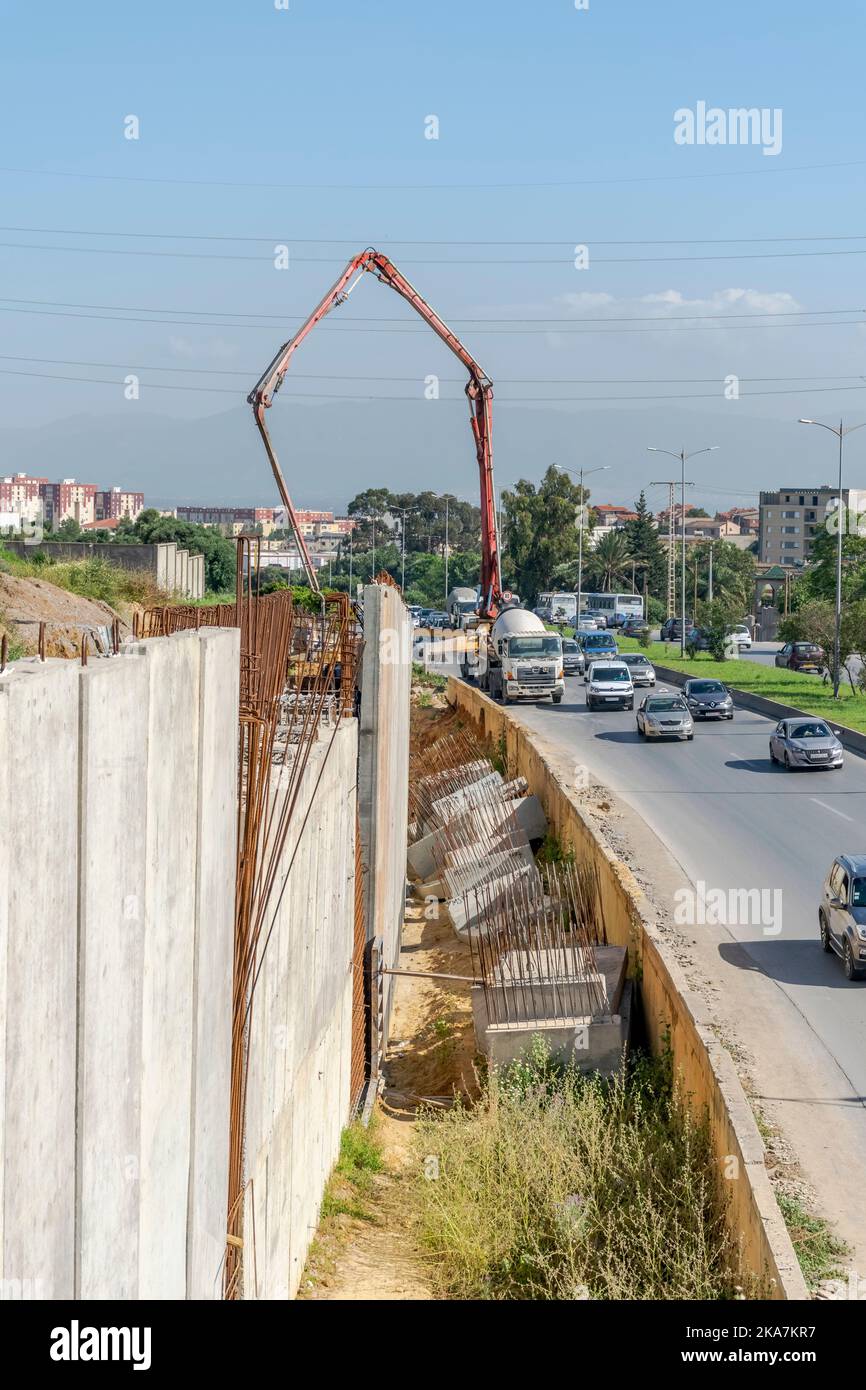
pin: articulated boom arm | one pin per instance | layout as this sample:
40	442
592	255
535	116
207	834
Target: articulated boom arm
479	391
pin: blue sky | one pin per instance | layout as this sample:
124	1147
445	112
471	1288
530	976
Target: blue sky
565	116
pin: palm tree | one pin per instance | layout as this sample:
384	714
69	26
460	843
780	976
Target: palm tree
609	563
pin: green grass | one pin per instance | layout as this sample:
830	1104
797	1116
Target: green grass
352	1180
788	687
555	1187
427	680
93	578
818	1250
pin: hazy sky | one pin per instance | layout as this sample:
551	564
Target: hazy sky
259	127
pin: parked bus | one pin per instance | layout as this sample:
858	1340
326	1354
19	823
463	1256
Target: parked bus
563	606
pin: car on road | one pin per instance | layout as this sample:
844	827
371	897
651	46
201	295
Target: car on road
672	629
588	624
609	685
842	914
573	660
741	636
665	716
634	625
597	644
598	615
805	742
801	656
642	669
708	699
438	620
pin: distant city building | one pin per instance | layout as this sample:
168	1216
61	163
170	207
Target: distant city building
32	499
116	503
266	520
792	517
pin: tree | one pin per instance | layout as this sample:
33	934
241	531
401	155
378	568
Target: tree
541	531
818	581
69	530
815	621
646	549
609	562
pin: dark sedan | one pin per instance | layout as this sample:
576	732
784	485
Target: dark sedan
708	699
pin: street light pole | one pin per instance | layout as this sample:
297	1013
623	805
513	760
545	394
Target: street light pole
837	635
446	552
603	468
682	456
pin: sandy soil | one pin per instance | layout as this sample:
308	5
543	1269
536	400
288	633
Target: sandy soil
24	603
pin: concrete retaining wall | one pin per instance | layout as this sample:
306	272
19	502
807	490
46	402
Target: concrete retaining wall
383	780
117	857
674	1015
301	1027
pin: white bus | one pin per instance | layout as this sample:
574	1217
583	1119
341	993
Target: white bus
563	606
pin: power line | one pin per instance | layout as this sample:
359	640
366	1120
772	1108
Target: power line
341	396
249	372
665	325
470	187
429	241
449	260
571	319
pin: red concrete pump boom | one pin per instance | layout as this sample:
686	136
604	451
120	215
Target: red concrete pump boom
479	390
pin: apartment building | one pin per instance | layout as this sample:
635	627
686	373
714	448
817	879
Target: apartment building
791	518
115	503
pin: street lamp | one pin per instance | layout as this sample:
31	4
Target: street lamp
603	468
840	433
682	456
404	512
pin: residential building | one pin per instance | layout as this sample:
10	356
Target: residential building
69	501
793	516
116	503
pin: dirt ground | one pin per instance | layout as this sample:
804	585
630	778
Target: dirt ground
24	603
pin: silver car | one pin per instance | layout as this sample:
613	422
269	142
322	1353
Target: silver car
805	742
665	716
642	669
842	914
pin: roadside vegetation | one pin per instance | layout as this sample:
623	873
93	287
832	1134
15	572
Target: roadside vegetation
93	578
805	692
559	1187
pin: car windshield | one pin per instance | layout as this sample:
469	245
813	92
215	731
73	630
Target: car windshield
609	673
598	639
631	659
806	648
569	646
706	688
858	892
816	730
661	705
533	646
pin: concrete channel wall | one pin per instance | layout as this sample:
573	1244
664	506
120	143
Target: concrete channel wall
117	865
674	1015
383	783
300	1040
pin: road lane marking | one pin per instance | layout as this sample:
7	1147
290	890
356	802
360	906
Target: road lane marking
830	808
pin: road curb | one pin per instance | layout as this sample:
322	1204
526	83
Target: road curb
849	738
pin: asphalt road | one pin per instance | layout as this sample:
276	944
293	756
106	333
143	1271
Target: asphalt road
734	821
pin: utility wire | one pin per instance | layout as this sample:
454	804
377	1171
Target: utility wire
470	187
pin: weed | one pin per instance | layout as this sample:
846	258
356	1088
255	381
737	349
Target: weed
818	1249
559	1186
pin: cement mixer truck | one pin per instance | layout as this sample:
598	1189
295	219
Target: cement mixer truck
524	660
